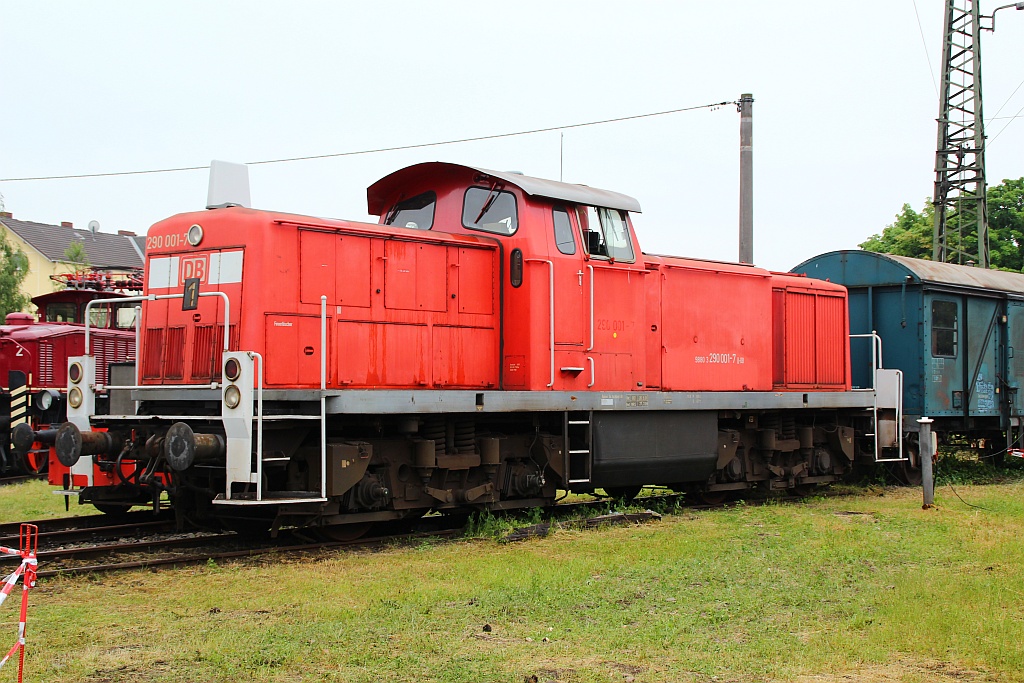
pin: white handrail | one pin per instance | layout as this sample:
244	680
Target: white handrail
591	347
551	313
323	395
259	425
156	297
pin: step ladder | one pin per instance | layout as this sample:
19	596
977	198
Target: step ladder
579	437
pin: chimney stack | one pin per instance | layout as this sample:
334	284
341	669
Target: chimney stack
67	224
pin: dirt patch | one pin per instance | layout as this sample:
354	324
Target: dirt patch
904	671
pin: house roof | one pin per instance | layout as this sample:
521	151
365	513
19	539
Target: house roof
103	249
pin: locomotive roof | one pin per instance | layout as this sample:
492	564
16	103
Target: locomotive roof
856	268
384	189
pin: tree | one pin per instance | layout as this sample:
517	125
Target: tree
911	233
75	255
13	270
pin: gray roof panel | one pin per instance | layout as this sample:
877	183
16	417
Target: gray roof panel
864	268
381	190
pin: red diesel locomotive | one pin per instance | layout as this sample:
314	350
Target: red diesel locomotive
494	339
33	360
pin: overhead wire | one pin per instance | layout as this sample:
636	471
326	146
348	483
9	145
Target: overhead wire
395	148
924	43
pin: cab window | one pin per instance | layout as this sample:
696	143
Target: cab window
61	313
563	231
490	210
99	316
605	233
416	213
944	329
125	317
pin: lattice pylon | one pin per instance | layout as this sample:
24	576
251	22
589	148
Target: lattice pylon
960	151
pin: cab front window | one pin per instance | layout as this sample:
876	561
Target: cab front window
416	212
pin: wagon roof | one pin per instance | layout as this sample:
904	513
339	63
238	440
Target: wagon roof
384	189
855	268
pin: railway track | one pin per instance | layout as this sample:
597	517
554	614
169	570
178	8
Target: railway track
20	478
103	543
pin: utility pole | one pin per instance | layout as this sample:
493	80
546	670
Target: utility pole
745	108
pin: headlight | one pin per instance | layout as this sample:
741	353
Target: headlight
75	397
75	372
232	369
43	400
195	235
232	396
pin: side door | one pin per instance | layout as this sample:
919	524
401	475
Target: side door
616	284
981	326
1014	359
570	303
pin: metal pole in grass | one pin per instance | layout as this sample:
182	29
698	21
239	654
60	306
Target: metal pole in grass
926	451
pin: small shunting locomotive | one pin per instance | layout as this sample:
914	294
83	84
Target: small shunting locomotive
33	359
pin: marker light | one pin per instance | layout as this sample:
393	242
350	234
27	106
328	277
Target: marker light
195	235
75	397
232	396
232	369
75	373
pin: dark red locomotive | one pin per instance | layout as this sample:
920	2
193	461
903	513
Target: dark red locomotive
33	360
495	338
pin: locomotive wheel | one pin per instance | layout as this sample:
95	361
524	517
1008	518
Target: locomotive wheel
35	462
344	532
908	472
31	462
112	508
712	497
805	490
623	494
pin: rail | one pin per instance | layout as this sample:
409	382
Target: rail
158	297
323	395
894	380
591	347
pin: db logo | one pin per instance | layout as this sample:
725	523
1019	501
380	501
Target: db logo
194	267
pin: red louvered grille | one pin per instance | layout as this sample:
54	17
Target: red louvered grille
204	360
45	374
154	351
174	356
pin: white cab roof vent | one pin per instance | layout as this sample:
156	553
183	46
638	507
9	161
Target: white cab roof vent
229	185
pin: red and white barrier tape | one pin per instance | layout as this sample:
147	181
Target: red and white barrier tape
26	571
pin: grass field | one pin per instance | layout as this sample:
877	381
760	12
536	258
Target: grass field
862	587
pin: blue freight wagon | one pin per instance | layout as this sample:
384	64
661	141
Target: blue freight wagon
951	329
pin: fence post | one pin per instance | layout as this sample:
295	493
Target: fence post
926	454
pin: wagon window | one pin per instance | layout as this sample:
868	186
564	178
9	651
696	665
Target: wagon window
563	231
490	210
944	329
605	233
417	212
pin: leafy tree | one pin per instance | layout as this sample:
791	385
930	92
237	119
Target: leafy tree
75	254
13	270
911	233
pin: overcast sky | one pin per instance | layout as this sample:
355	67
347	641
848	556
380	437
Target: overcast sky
844	112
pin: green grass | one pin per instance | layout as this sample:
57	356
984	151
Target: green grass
35	500
867	585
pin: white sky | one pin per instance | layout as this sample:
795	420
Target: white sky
844	112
